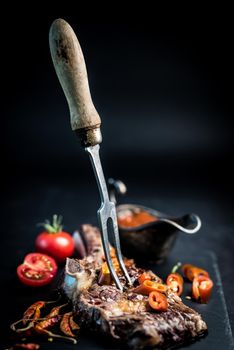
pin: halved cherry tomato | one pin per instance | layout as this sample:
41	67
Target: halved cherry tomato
37	270
191	271
143	277
202	288
175	283
158	301
149	286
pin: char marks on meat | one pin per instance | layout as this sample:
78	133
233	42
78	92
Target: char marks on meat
125	316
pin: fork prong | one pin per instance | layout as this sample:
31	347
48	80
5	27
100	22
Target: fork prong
117	247
106	248
106	211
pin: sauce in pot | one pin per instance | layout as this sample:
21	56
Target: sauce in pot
134	219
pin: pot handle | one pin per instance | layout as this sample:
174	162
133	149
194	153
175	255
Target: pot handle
189	223
116	187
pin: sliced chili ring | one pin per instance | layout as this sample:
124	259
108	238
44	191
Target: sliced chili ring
175	282
149	286
191	271
202	288
158	301
143	277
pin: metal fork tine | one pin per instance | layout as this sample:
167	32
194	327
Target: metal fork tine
107	211
118	249
106	248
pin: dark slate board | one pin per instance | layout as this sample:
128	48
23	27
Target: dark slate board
214	313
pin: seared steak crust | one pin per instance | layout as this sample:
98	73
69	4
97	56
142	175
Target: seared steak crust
127	316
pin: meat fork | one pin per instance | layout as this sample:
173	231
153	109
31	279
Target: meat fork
70	67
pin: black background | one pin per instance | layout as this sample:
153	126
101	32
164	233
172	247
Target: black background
164	90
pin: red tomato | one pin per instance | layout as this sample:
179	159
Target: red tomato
37	270
58	245
55	242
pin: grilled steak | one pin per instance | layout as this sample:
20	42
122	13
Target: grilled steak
125	316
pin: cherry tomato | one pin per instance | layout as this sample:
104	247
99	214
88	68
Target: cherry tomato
202	288
37	270
158	301
55	242
191	271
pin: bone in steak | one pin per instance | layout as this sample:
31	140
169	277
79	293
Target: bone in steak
125	316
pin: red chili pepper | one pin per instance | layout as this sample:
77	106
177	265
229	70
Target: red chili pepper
33	312
149	286
74	326
43	326
175	283
53	335
31	315
158	301
191	271
202	288
55	311
65	325
50	320
143	277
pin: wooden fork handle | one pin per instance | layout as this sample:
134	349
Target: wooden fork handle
71	70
